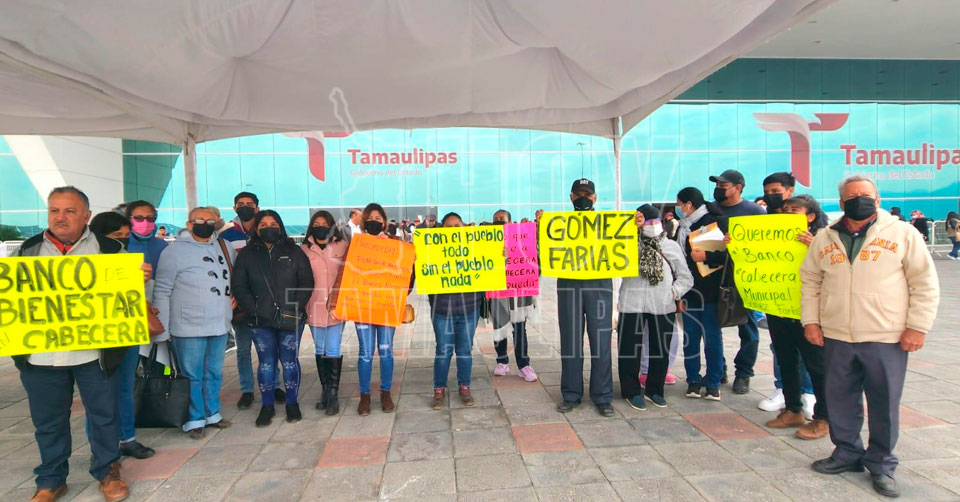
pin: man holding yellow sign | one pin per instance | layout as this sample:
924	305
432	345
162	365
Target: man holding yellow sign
68	320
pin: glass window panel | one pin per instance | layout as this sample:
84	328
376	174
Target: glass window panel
694	122
262	143
665	128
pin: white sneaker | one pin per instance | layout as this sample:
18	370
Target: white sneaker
809	400
773	402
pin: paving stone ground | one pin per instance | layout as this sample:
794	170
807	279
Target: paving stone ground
514	445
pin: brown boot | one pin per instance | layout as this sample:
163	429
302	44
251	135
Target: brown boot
785	420
364	408
438	395
815	429
49	494
113	488
465	396
386	402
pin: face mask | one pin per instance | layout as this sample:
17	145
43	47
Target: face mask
319	233
372	227
202	231
679	212
582	204
860	208
246	213
144	228
270	235
652	230
774	200
499	223
720	194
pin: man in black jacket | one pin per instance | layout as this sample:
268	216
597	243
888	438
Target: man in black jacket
48	377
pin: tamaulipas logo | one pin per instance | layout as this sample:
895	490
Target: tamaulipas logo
315	153
798	128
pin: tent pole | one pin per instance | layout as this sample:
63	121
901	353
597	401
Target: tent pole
190	171
616	158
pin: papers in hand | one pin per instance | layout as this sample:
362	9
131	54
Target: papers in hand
707	238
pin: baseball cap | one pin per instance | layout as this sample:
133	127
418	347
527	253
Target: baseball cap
729	176
583	184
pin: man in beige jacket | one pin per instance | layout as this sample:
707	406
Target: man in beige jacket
870	295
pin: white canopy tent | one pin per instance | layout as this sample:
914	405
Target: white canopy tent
187	71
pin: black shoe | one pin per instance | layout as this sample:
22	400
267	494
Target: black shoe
830	466
246	400
724	380
279	395
741	385
567	406
334	365
265	416
712	394
293	413
693	390
605	410
885	485
136	450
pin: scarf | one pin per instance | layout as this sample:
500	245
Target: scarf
651	259
686	223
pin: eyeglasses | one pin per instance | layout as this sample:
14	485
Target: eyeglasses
138	217
201	222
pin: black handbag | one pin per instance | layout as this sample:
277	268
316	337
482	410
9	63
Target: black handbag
161	401
730	309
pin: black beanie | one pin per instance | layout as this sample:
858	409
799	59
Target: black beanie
649	212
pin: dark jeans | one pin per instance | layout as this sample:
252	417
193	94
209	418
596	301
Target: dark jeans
877	370
585	304
631	328
793	350
519	347
749	344
244	360
454	333
50	395
702	324
271	344
955	251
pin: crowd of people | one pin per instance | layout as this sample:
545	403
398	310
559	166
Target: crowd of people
220	286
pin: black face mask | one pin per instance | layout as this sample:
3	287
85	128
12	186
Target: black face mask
319	233
582	204
860	208
270	235
774	201
499	223
246	213
372	227
720	194
203	230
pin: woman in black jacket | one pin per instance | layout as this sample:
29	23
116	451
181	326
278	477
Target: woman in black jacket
272	283
700	319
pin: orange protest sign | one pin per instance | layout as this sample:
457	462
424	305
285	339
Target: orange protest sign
375	280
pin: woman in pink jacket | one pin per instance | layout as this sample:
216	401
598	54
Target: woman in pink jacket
327	250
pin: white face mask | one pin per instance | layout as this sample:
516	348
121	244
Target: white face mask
652	230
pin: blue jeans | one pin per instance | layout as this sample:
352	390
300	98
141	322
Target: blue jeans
201	360
244	359
453	333
123	380
955	252
327	339
273	344
697	325
370	335
806	386
50	395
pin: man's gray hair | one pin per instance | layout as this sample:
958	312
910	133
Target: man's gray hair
71	189
201	208
853	179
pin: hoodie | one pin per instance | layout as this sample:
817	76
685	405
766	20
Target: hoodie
192	290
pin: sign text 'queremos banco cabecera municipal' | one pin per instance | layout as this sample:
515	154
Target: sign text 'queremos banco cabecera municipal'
588	244
54	303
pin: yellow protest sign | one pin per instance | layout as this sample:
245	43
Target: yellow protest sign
54	303
588	244
767	257
459	260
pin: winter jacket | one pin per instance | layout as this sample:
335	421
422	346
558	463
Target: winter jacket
637	295
890	285
89	243
288	271
192	287
705	289
151	248
326	264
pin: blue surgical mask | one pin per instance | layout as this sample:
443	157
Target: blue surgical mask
679	213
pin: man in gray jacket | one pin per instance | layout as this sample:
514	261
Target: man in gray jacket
192	293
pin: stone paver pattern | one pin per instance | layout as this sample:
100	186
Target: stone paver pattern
514	445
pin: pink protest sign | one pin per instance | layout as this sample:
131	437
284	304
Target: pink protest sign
523	269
